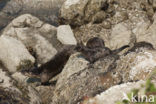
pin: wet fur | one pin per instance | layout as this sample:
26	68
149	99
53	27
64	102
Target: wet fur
95	49
139	46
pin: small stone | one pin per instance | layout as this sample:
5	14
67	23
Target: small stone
65	35
106	24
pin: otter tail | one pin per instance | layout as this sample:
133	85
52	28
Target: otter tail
116	51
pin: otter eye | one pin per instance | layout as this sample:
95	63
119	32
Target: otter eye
114	73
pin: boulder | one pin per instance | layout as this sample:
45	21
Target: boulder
120	36
148	35
15	92
114	94
14	55
35	35
136	66
78	12
74	65
65	35
72	85
79	79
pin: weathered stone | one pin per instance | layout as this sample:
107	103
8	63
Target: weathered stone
15	92
74	65
65	35
78	12
114	94
13	54
5	80
136	66
76	82
29	30
120	36
149	34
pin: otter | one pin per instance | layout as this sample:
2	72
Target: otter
95	42
139	46
53	67
56	64
96	49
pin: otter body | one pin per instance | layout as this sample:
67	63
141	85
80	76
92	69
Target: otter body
95	49
139	46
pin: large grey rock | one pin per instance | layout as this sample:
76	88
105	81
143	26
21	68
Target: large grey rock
65	35
15	92
34	34
13	53
136	66
77	12
128	15
148	35
74	65
78	80
120	36
72	85
114	94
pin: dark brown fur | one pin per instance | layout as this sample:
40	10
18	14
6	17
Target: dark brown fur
95	42
56	64
139	46
95	49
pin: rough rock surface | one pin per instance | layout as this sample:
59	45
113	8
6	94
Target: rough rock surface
136	66
120	36
78	12
69	88
65	35
114	94
125	14
117	22
103	74
34	34
14	54
13	92
149	33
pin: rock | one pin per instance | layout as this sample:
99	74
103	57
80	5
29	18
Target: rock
5	80
74	65
25	80
120	36
47	10
75	82
46	93
15	92
35	35
136	66
149	34
65	35
126	14
14	54
78	12
114	94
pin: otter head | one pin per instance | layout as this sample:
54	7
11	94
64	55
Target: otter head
95	42
44	78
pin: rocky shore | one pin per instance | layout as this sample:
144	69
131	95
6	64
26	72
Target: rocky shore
32	32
